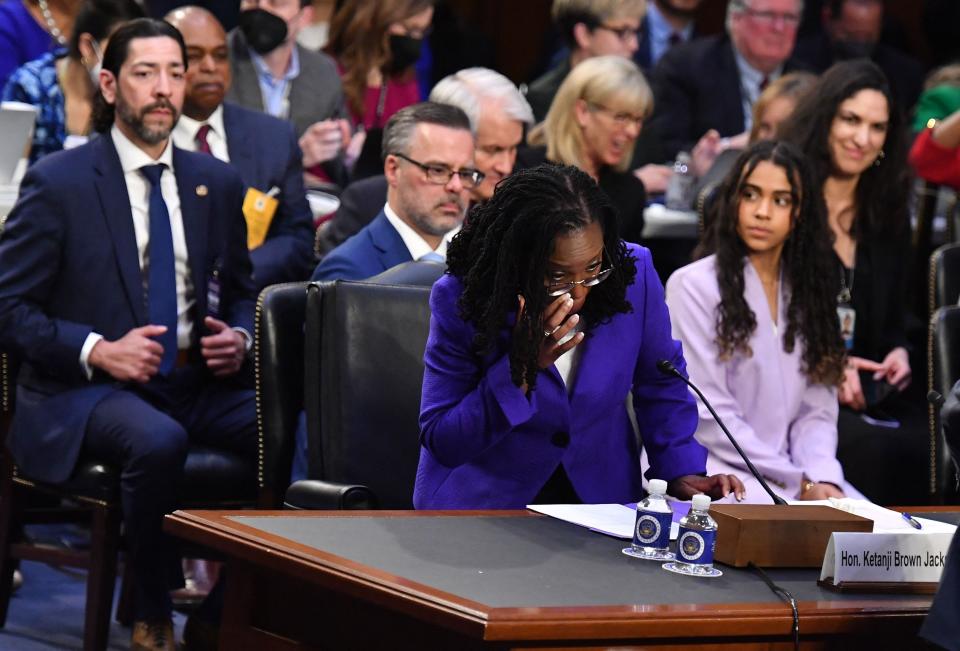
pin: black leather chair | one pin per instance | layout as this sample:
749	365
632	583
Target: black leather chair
944	276
212	478
364	359
943	348
278	356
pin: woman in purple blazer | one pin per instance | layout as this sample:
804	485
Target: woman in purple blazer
758	322
544	325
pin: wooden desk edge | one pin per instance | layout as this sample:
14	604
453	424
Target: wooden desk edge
247	544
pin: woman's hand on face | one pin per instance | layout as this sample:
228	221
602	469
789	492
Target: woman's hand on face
716	486
556	325
822	491
895	369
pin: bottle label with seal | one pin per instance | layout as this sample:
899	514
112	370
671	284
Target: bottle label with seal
652	529
696	546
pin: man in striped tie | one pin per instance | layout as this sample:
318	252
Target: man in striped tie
125	290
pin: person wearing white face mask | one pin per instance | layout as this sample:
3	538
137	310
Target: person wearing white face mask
62	84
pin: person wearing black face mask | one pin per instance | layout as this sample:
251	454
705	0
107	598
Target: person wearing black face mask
851	29
375	45
273	74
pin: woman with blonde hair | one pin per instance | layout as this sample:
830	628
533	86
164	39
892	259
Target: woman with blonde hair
593	123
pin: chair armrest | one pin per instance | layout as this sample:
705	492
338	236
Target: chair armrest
320	495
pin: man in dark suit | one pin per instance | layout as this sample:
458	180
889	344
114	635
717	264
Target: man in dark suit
852	29
125	289
428	164
668	23
274	74
498	115
590	28
711	83
263	149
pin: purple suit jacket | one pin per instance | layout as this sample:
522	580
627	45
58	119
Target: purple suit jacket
485	445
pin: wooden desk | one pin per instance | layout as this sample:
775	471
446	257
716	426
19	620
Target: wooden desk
464	580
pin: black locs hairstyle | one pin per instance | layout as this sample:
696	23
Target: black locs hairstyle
116	54
503	250
808	267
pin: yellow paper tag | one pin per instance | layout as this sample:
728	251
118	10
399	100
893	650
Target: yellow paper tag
258	209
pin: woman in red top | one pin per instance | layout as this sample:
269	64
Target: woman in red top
936	152
375	45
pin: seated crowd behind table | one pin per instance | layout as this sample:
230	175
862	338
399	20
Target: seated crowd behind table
794	318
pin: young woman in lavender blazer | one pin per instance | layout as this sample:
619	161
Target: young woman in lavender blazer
757	318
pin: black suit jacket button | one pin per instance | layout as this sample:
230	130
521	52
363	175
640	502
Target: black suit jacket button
561	439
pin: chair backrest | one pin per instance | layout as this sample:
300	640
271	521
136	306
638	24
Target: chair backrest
363	404
278	354
414	272
943	350
944	276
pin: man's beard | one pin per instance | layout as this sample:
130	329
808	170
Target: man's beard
149	135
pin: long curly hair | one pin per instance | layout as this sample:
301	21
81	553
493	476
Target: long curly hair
881	194
503	250
359	40
808	268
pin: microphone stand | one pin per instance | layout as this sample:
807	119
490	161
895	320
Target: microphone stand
667	368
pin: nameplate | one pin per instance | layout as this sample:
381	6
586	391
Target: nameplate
885	557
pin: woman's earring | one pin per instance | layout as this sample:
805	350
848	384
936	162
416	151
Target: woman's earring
879	158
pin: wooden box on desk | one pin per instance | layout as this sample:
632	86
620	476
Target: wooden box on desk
771	535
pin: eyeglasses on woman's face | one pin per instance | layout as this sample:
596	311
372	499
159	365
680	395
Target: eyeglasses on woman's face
558	288
622	119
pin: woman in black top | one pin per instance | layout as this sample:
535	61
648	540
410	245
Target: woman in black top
850	128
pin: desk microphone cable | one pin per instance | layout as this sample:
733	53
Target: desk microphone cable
784	594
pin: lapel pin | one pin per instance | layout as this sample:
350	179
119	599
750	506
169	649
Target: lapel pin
201	190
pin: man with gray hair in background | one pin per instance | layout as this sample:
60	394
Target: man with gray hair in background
498	114
704	90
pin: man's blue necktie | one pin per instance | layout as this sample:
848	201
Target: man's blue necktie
432	256
162	279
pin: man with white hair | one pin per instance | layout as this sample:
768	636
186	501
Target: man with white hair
711	83
498	114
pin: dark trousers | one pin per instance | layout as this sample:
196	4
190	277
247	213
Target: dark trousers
146	431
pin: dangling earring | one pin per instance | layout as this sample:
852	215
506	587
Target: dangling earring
879	158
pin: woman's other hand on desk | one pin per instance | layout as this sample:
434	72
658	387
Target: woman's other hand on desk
716	486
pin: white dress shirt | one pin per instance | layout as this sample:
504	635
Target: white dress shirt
185	134
132	158
415	244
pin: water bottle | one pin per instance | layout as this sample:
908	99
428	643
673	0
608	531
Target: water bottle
680	187
696	541
651	530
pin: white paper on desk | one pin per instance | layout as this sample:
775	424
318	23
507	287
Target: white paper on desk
612	519
884	520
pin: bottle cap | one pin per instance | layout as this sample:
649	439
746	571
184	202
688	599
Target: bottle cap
658	487
701	502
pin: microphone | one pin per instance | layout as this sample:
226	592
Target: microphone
935	399
667	368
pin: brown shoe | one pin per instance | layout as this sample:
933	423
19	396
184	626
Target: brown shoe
152	636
